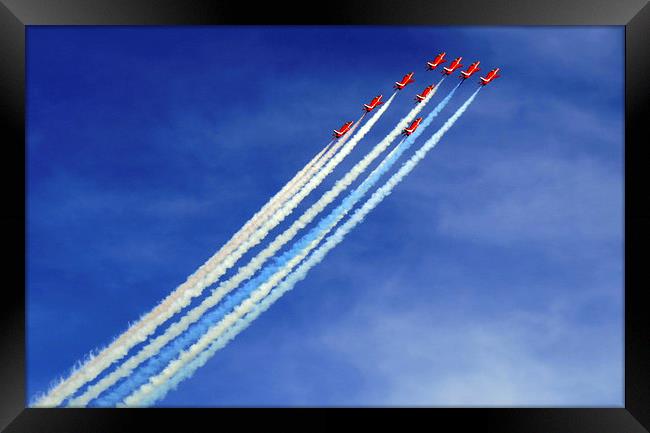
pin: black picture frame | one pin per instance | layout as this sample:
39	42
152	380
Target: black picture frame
15	15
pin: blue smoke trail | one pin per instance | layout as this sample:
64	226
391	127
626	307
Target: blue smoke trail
301	272
158	362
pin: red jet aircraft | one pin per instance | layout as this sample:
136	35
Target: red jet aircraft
345	128
440	58
408	78
453	66
373	104
491	76
470	71
419	98
411	129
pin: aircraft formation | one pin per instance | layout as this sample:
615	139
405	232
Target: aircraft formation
408	78
120	376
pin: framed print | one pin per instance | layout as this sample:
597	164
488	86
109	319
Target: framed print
401	212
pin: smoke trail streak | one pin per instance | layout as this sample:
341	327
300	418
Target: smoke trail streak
273	273
151	394
151	348
176	328
243	273
175	371
182	295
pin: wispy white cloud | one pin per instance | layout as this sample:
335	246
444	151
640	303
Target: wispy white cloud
449	355
539	200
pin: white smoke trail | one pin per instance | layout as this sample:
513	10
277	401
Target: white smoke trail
341	185
245	272
138	332
182	296
244	314
173	331
192	316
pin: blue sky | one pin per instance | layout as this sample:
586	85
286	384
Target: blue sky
493	276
